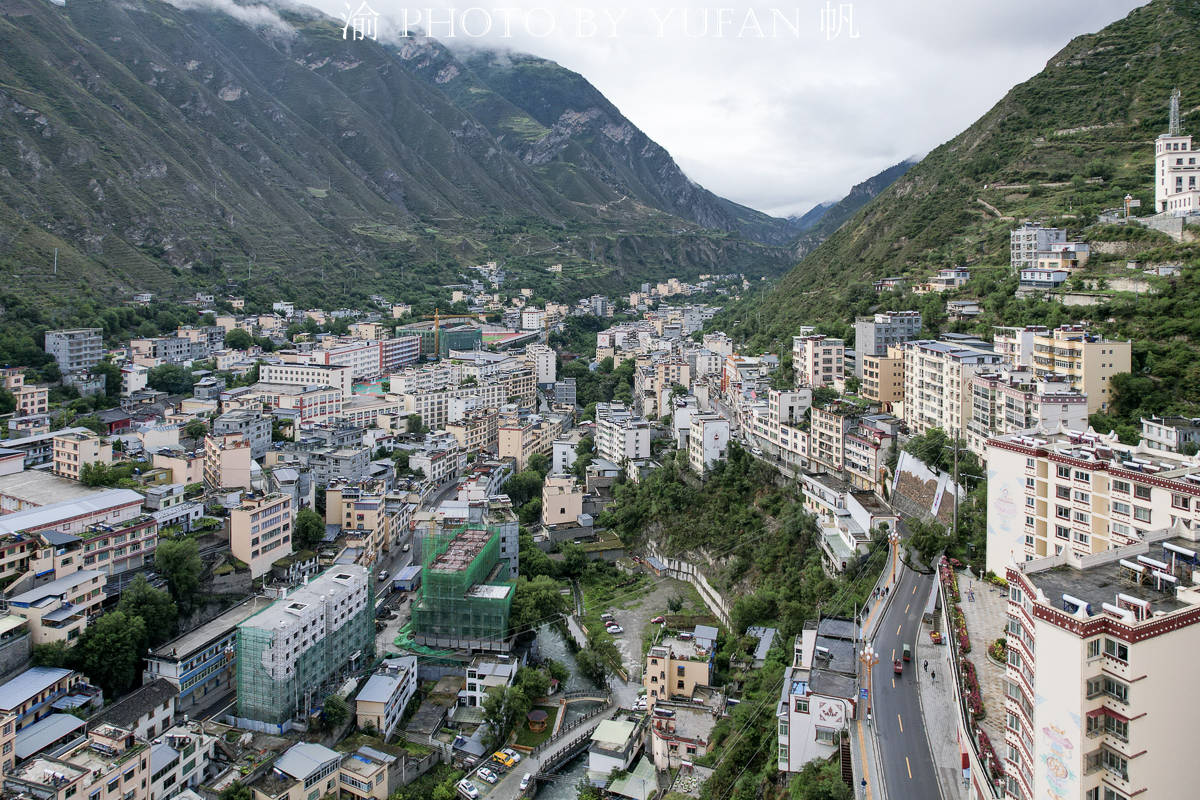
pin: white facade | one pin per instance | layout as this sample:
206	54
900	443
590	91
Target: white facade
1176	170
708	441
385	695
543	361
179	760
819	361
937	383
338	376
487	672
621	436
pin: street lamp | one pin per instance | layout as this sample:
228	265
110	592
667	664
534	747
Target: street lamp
869	658
894	540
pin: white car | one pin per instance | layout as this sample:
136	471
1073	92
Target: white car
513	754
525	781
640	704
615	629
486	775
468	788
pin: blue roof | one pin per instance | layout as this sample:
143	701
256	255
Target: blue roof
409	572
36	737
29	683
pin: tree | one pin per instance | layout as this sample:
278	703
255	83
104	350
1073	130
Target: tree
591	666
927	538
416	424
8	403
535	601
153	606
178	560
171	378
503	709
195	429
539	463
112	377
533	682
53	654
334	712
310	529
819	780
236	791
533	562
238	339
110	649
574	560
675	603
523	486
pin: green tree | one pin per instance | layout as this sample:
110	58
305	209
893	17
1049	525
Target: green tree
503	709
819	780
535	601
309	529
539	463
334	712
178	560
171	378
110	650
533	562
154	606
574	560
112	377
416	424
8	403
53	654
523	487
195	429
236	791
238	339
533	682
592	666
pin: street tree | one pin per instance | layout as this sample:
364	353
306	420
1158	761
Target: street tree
178	560
154	606
110	650
503	709
310	529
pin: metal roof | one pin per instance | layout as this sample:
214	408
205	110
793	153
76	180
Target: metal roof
304	759
56	512
56	587
29	683
36	737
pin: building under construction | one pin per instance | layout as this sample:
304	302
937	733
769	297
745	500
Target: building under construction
466	590
291	655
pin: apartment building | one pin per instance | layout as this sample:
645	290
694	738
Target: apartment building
31	695
1086	360
439	466
620	435
29	399
829	427
304	770
562	500
937	376
250	424
1176	172
883	378
708	441
519	435
1082	492
866	447
382	700
1173	434
59	611
476	431
316	633
875	334
301	404
1011	401
338	376
260	530
109	764
227	461
200	663
1015	344
76	350
362	507
819	360
180	759
543	362
73	450
674	668
1098	674
819	694
485	673
1026	241
118	546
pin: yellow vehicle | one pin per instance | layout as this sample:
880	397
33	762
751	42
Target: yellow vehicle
501	757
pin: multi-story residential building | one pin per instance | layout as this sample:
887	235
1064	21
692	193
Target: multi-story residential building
338	376
830	426
260	530
883	378
385	695
120	545
848	518
200	664
620	435
866	447
1173	434
1082	492
708	441
562	500
944	281
110	764
1176	171
31	696
75	350
250	424
674	668
439	466
1068	256
301	404
819	360
1010	401
485	673
326	464
1015	344
30	400
227	461
1097	678
319	631
364	509
937	378
1086	360
819	693
1026	241
543	362
74	450
180	759
520	435
304	770
59	611
874	335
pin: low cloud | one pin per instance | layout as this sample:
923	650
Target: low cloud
256	16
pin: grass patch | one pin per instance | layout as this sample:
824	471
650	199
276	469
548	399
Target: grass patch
528	738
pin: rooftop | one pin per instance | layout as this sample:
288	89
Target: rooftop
35	738
55	587
42	488
196	639
461	551
613	734
53	513
128	710
29	683
301	760
337	579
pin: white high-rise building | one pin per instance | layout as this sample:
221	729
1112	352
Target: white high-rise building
708	441
543	361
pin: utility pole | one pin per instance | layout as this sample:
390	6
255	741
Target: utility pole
56	261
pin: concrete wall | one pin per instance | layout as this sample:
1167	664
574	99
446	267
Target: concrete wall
14	656
687	571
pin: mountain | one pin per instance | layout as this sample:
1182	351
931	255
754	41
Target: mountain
164	148
1060	147
835	215
811	217
557	122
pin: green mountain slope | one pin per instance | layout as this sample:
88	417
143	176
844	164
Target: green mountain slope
836	215
170	150
1062	146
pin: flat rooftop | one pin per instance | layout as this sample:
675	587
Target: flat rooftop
197	638
489	591
461	551
342	578
41	488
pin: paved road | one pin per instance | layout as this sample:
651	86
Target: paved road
906	760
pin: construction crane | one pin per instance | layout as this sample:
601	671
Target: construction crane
437	318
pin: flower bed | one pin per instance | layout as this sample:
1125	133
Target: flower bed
998	650
960	630
971	691
987	754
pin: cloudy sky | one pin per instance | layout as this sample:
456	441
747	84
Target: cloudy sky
786	105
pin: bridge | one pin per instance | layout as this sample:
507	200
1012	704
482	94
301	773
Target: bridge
592	696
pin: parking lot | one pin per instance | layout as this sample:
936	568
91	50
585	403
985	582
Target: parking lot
634	619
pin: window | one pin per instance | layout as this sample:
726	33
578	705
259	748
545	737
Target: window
1116	690
1120	486
1082	517
1014	658
1110	794
1062	512
1014	755
801	705
1141	492
1013	721
1120	508
1093	648
825	735
1063	492
1180	501
1062	531
1030	483
1064	471
1141	514
1028	520
1117	650
1080	475
1082	497
1030	463
679	684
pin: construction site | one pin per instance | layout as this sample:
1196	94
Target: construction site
466	591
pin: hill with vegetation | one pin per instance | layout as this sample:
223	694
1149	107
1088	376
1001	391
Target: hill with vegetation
835	215
169	149
1059	148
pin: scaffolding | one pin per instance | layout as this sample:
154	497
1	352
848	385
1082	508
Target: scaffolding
291	654
466	592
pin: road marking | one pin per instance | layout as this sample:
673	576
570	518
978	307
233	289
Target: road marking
862	746
909	767
898	629
893	681
901	723
907	607
914	589
893	654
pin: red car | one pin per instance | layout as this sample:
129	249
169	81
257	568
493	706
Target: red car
658	620
898	666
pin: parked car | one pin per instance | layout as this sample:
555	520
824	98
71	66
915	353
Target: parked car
468	788
383	576
486	774
640	704
686	636
526	780
615	629
513	754
606	617
504	759
659	620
